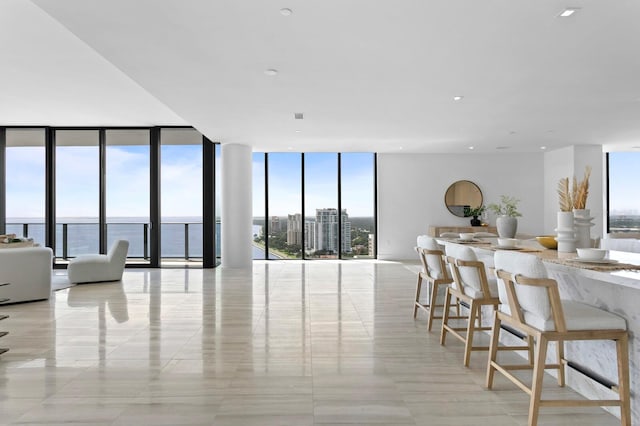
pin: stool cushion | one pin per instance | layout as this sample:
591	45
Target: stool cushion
469	275
433	261
477	294
534	301
580	316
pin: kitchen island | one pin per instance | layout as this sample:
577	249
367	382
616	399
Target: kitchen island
612	286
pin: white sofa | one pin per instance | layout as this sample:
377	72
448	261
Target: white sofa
92	268
28	272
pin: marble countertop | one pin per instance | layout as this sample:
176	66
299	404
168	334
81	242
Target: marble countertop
562	261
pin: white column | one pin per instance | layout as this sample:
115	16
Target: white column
237	212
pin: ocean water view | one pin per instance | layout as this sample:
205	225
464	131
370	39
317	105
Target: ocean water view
82	235
624	223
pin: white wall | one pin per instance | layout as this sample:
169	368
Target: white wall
411	190
558	164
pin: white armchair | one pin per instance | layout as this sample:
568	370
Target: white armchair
90	268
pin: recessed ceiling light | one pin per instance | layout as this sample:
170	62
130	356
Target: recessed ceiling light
513	132
290	148
502	147
568	12
271	71
298	115
285	11
400	148
458	98
472	147
298	131
543	147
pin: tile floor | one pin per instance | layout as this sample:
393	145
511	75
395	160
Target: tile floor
288	343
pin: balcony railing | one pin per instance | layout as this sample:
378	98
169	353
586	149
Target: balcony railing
180	240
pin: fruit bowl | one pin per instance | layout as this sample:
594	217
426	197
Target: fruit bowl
548	241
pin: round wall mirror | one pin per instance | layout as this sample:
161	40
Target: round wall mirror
461	196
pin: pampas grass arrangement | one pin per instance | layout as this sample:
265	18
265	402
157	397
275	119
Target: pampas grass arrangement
577	197
566	203
580	195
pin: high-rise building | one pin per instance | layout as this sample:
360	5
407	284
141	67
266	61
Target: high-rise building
346	232
326	237
294	229
274	226
310	235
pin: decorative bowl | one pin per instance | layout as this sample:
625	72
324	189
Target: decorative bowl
548	241
591	253
507	242
467	236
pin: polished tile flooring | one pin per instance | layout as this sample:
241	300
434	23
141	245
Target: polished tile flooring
286	343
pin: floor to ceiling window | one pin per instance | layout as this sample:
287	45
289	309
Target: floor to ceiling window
321	235
127	190
77	193
181	194
333	183
78	189
218	200
624	204
285	205
358	200
25	177
259	228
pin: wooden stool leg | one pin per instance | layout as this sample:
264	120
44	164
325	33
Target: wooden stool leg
470	331
531	345
561	372
445	317
432	305
538	376
493	349
418	287
622	349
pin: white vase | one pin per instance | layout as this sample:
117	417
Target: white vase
566	232
582	223
506	226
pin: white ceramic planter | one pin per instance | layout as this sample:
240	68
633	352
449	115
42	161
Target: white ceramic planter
583	224
566	232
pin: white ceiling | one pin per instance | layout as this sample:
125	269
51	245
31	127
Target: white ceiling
368	75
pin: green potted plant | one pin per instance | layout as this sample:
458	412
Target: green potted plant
507	212
475	212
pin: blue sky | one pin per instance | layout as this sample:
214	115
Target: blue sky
624	180
321	183
128	182
181	182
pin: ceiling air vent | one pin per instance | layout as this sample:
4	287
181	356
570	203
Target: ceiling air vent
298	116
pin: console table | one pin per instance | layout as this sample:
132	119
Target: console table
437	230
